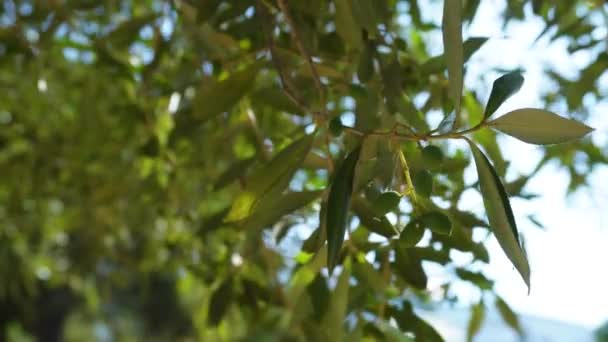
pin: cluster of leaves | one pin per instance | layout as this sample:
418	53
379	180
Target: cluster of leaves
204	168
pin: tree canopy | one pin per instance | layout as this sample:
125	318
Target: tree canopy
265	170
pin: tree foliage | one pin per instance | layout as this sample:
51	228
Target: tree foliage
262	169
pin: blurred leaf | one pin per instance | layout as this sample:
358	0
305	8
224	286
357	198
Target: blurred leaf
452	44
271	178
373	221
437	222
387	202
216	97
271	209
537	126
508	316
220	302
478	312
365	69
500	214
346	25
411	234
338	304
476	278
409	266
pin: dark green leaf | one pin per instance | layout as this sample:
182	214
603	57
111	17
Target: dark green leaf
411	234
373	221
503	88
387	202
432	157
409	266
365	69
423	183
220	302
338	204
499	213
437	222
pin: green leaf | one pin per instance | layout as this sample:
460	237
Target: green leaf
336	127
272	208
373	221
452	44
338	204
503	88
411	234
499	213
338	304
476	278
271	178
128	31
347	27
423	182
471	45
216	97
437	222
365	69
219	302
409	266
478	313
387	202
541	127
432	157
508	315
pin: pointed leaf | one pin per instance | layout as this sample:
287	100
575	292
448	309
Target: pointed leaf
537	126
338	204
270	178
499	213
214	98
452	44
508	315
503	88
272	208
478	313
471	45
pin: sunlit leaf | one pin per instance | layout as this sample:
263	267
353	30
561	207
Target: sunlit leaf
541	127
272	177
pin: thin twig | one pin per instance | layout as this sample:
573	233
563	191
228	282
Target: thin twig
286	86
296	37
